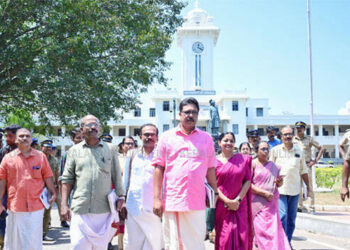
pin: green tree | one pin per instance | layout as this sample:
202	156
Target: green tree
61	59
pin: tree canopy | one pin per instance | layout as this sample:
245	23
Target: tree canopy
63	59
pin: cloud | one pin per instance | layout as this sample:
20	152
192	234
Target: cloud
346	110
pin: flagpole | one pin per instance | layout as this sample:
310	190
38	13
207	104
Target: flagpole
310	71
313	177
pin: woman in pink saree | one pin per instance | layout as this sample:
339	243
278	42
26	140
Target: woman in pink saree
269	233
233	221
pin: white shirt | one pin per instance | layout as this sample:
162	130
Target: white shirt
140	194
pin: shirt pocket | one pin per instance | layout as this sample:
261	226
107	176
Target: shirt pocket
36	173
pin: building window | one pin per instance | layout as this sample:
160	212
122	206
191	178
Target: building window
59	132
166	106
152	112
246	112
137	131
165	127
259	112
203	128
137	112
260	131
121	132
198	70
234	106
235	130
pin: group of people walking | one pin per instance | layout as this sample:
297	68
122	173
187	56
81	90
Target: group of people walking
157	191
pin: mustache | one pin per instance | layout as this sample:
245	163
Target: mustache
189	119
92	130
149	140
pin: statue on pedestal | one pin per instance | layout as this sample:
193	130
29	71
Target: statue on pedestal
214	123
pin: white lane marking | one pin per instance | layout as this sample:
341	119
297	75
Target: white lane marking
325	244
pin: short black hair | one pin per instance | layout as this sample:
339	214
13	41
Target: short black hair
74	132
270	129
12	128
227	133
149	124
244	143
187	101
258	145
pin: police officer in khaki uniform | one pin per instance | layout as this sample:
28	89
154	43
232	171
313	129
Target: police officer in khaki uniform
344	191
306	143
46	148
253	139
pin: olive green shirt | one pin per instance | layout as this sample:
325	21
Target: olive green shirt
306	144
92	171
54	166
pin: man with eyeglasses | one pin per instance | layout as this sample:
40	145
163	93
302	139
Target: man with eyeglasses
91	168
291	159
306	143
143	228
185	156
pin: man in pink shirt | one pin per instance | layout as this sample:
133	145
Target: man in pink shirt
185	156
24	173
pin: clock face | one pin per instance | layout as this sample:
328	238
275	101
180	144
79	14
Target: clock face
198	47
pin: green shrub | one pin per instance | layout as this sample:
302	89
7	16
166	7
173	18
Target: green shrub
327	177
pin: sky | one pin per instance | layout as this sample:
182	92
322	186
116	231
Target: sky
263	47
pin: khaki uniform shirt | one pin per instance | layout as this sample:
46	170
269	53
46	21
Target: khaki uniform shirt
344	141
292	165
92	171
306	144
54	166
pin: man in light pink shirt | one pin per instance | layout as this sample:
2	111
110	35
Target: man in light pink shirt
185	156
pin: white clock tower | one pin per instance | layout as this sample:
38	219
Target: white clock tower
197	38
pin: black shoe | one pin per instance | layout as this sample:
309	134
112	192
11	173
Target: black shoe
300	210
64	224
47	238
110	246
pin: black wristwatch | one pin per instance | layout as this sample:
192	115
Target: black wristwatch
239	200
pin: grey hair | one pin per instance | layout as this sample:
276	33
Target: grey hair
21	129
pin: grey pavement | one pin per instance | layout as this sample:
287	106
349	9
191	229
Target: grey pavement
302	238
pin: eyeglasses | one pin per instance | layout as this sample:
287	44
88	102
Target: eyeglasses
264	149
149	134
288	134
92	124
189	112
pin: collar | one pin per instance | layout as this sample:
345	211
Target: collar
142	152
285	148
179	131
84	144
298	138
18	152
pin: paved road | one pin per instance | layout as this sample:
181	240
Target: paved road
301	239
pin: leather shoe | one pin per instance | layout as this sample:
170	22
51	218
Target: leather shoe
64	224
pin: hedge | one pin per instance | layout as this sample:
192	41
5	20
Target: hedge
327	177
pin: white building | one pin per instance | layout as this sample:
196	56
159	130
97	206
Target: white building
197	38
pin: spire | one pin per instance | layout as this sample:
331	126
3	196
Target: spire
196	4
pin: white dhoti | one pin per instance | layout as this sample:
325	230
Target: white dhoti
24	230
184	230
143	232
92	231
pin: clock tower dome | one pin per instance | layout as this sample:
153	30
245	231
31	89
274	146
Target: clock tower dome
197	38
